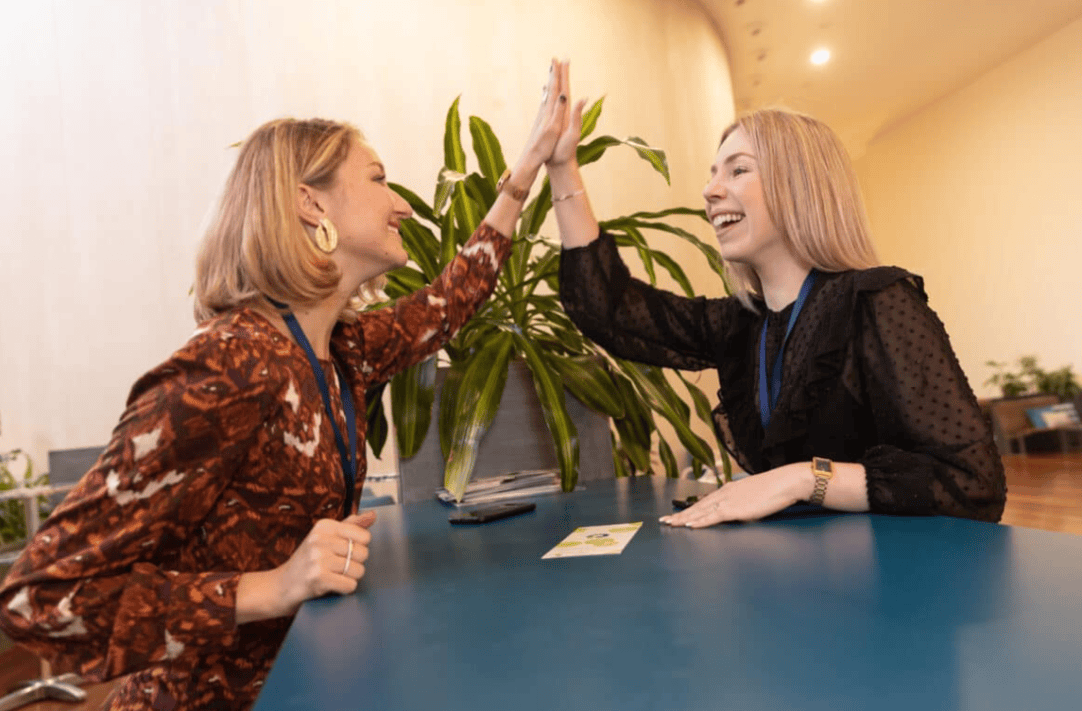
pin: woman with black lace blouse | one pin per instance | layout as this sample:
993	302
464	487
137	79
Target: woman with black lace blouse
838	384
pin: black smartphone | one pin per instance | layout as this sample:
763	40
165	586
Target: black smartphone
491	512
681	504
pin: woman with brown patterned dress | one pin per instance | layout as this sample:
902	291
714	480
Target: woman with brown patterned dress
225	498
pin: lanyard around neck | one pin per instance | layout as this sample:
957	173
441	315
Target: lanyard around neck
768	400
349	458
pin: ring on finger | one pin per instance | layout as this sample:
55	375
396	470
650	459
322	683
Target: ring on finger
349	555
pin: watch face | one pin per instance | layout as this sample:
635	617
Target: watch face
823	465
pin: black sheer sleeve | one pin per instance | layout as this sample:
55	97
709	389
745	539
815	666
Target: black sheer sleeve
634	320
937	456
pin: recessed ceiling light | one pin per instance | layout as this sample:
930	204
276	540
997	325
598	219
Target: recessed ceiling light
820	56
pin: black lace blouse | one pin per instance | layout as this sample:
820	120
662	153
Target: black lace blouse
869	376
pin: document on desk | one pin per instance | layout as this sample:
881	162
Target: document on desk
595	540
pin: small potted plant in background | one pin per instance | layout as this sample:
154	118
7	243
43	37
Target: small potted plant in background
522	322
1031	378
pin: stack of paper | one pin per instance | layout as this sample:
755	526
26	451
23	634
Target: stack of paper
515	485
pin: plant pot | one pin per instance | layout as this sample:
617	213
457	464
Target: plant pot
518	440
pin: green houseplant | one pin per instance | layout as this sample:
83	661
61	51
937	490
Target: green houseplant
13	512
1029	377
522	320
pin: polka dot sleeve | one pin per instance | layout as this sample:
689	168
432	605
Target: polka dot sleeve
936	454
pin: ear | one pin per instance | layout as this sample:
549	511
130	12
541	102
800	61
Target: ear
308	205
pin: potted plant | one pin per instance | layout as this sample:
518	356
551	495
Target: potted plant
1032	378
524	321
13	531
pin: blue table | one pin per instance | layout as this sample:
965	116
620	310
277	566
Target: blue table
815	612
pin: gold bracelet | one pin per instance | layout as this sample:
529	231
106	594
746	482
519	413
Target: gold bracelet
556	199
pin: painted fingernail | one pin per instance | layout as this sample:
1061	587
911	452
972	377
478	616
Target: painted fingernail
563	98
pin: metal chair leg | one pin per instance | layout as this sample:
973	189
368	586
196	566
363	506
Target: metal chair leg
58	688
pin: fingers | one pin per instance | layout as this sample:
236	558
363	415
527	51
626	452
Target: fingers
365	519
705	513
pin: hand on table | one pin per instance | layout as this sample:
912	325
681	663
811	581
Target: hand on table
330	559
746	499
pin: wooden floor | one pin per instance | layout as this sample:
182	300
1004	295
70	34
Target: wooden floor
1043	491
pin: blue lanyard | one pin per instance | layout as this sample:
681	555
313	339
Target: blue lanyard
349	459
767	402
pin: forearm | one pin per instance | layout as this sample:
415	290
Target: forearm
847	490
259	597
574	216
505	211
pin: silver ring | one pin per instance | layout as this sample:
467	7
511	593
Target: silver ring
349	556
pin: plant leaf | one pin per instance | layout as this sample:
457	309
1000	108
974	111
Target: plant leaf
487	149
550	391
422	246
404	281
588	380
454	157
650	381
445	183
675	271
653	156
668	459
479	394
412	393
418	205
592	151
589	118
377	430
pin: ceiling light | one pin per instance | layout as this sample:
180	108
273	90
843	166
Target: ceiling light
820	56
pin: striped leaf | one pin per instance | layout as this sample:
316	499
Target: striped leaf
404	281
454	157
479	394
412	393
650	381
445	185
377	430
422	246
550	392
653	156
589	118
668	459
588	379
487	149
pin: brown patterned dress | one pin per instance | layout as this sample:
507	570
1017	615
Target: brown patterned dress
222	462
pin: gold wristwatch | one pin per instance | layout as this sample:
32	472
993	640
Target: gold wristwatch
504	185
823	469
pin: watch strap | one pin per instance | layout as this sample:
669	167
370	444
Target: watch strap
823	469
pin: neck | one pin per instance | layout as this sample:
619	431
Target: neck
781	281
317	321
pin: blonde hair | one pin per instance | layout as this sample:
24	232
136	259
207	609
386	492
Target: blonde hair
811	193
256	244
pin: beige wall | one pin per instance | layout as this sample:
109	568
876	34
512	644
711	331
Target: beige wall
119	114
981	193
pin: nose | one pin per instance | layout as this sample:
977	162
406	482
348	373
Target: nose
401	207
713	188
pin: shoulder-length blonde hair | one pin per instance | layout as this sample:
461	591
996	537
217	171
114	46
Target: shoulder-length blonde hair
256	244
811	193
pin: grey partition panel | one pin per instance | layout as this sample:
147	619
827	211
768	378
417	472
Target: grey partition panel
67	466
517	440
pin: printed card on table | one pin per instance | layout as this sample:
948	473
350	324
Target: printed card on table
595	540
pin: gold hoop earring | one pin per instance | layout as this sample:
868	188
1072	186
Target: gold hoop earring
326	237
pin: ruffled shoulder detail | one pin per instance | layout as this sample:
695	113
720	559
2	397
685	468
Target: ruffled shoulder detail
825	361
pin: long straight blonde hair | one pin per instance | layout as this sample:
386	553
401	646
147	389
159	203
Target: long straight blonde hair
811	193
256	244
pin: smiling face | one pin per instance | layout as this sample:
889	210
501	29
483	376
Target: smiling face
366	213
736	207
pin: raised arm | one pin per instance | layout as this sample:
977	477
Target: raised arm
574	216
420	324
